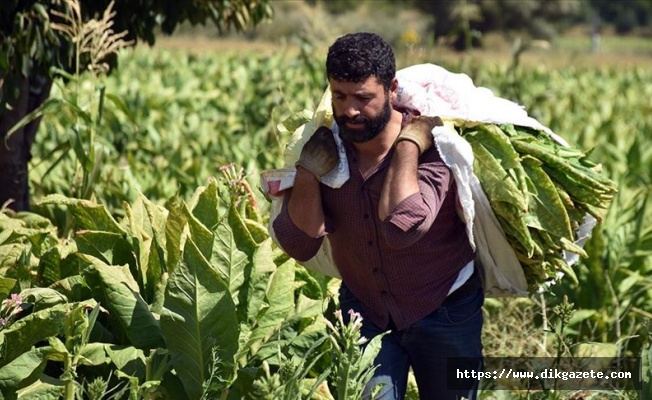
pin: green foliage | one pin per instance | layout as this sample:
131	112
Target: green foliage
216	300
221	314
540	193
169	233
30	45
599	110
353	356
164	131
646	372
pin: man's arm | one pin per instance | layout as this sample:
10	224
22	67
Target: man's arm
412	193
300	227
304	205
401	180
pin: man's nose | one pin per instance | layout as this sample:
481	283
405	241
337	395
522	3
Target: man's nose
351	109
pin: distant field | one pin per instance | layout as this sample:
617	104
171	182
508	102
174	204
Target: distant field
572	50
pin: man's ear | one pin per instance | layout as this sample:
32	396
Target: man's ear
393	90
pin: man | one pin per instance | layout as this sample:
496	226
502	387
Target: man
399	245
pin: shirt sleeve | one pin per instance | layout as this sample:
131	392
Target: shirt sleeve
298	244
414	216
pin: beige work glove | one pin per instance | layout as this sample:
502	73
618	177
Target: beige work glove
319	154
419	131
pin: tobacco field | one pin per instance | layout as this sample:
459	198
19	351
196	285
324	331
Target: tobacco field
145	269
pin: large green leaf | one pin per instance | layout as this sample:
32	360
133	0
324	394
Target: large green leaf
201	235
94	354
262	268
229	261
199	314
507	201
88	215
157	218
19	337
33	220
73	288
127	359
42	298
6	284
174	232
10	255
115	289
173	387
498	144
205	204
44	388
245	240
23	229
56	263
280	298
297	334
145	223
13	375
256	273
547	211
111	248
495	180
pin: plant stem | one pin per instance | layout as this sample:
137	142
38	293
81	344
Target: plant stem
68	369
545	320
610	286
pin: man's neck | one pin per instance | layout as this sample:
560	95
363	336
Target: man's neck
374	151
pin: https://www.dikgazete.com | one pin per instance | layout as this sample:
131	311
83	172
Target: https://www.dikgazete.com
537	373
549	373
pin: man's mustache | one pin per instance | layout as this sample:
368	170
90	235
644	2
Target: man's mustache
358	119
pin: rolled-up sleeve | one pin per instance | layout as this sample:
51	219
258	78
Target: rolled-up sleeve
414	216
293	240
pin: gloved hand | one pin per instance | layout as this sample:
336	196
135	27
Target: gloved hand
419	131
319	154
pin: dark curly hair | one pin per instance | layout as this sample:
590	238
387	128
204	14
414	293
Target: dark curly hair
357	56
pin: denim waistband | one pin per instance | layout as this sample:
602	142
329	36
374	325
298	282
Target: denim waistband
471	285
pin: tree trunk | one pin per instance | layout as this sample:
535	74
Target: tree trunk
15	151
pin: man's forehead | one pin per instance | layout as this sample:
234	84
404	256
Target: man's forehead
370	84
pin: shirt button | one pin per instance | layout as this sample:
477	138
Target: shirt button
370	243
376	270
383	292
366	216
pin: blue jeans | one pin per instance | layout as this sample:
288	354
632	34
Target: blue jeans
451	331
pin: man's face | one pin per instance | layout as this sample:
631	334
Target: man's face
361	109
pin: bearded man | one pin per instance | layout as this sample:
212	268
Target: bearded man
397	241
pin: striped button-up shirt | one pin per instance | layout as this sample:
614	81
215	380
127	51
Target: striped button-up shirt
400	267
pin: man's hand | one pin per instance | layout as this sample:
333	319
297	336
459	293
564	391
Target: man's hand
419	131
319	154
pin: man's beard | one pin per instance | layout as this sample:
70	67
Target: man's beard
371	126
